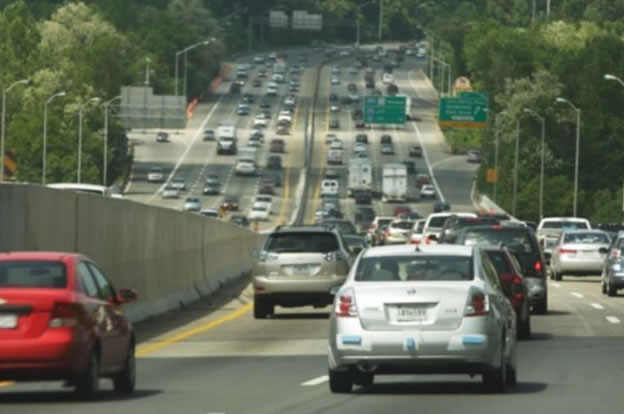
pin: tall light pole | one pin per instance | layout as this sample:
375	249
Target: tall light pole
515	176
615	78
105	158
541	190
177	60
3	126
147	70
44	168
576	157
381	4
357	21
496	144
95	100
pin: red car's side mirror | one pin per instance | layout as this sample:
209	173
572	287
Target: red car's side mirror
127	295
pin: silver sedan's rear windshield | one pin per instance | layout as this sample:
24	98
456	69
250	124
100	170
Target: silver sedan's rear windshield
414	268
586	238
302	243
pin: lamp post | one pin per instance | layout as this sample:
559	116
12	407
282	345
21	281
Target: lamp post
105	158
45	135
515	176
621	82
381	3
147	70
357	21
541	190
177	59
496	141
576	157
3	126
80	134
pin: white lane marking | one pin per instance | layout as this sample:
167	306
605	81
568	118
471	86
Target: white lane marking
557	285
315	381
187	150
576	294
429	168
612	319
597	306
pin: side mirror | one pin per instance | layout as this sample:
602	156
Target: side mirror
127	295
547	256
432	237
603	250
356	250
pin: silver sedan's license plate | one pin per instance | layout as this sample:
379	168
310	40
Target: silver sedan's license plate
411	314
8	321
301	270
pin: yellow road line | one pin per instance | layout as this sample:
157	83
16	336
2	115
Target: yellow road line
151	348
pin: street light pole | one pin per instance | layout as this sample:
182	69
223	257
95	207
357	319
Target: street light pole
177	58
496	144
147	70
3	126
621	82
576	157
105	158
541	190
381	3
45	136
80	135
515	178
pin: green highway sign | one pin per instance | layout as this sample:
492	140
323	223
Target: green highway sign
384	109
468	110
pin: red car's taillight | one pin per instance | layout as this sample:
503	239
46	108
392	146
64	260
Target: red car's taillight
64	314
538	267
565	251
345	304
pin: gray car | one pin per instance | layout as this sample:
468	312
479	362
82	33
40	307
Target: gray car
613	268
192	204
578	253
299	266
429	310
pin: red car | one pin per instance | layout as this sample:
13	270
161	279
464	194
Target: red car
401	210
61	319
514	286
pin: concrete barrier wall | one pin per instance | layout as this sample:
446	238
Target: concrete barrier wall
172	258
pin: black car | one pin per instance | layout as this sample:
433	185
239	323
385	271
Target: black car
357	114
274	162
162	136
392	89
212	189
386	139
363	196
522	242
334	124
345	100
265	104
363	138
411	167
364	216
415	151
333	97
441	206
370	84
241	220
454	224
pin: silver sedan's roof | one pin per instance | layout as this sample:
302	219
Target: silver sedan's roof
406	249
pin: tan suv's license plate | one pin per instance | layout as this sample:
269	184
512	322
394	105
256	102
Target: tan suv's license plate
301	270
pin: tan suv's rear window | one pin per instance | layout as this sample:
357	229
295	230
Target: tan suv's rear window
302	243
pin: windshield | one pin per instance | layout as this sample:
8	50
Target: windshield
414	268
566	225
32	274
302	242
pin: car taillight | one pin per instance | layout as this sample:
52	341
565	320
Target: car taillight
414	241
516	288
345	304
561	250
64	314
477	304
537	266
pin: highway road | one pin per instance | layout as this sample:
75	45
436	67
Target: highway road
213	357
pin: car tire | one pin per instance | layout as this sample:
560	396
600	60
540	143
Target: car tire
340	382
495	380
88	382
512	376
125	381
524	328
603	287
364	379
541	308
558	276
262	308
611	290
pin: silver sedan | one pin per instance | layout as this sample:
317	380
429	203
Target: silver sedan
433	309
578	253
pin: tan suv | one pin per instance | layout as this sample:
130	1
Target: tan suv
299	266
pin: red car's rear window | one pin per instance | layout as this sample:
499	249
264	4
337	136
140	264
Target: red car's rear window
32	274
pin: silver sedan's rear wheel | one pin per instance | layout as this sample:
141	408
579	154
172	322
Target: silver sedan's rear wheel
340	382
494	381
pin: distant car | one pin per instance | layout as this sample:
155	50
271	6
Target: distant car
274	162
60	314
156	175
415	151
428	191
282	130
411	166
334	124
230	203
579	253
329	138
345	100
240	220
387	149
387	78
355	243
260	121
170	192
178	183
334	108
441	206
401	210
398	231
266	186
212	189
258	212
474	156
422	179
257	83
209	212
277	145
362	197
416	237
363	138
209	135
335	80
162	136
333	97
191	204
360	147
386	139
332	173
359	124
612	276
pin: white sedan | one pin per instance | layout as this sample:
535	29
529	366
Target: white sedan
260	122
264	200
387	78
258	212
431	310
428	191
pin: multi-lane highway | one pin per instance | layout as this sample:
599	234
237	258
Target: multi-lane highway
213	357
